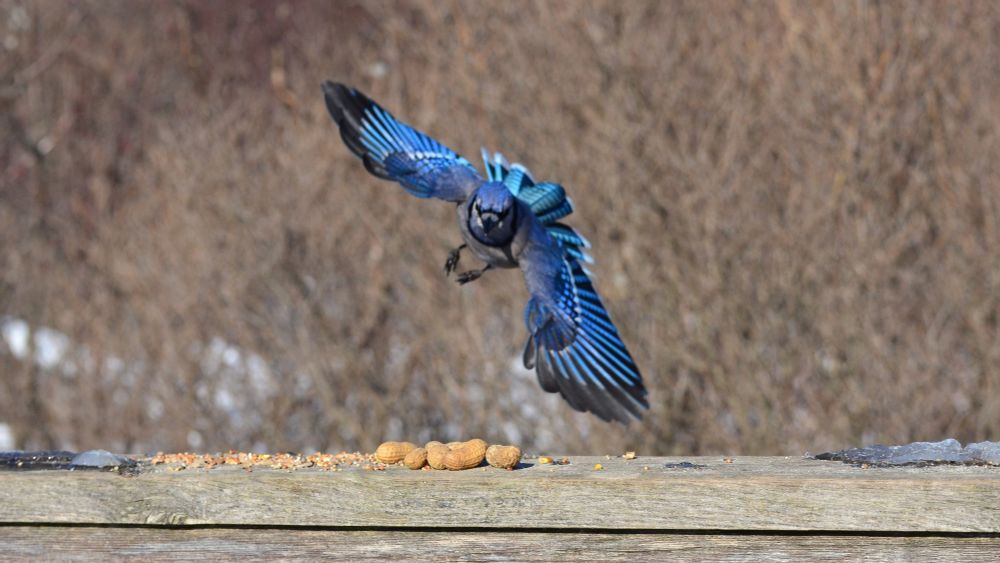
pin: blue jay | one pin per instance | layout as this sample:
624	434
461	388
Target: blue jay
508	220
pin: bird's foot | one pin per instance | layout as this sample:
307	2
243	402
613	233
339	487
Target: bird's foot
452	262
471	275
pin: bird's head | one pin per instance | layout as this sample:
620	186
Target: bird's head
491	213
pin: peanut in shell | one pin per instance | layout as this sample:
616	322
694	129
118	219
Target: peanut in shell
466	456
393	452
436	455
504	457
416	459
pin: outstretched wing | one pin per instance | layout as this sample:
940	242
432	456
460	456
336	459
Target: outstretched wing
547	201
395	151
573	345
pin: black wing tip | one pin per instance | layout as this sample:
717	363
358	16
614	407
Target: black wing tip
610	408
632	407
347	107
330	87
342	104
345	101
346	113
623	404
603	405
335	94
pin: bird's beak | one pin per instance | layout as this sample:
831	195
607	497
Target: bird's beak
489	222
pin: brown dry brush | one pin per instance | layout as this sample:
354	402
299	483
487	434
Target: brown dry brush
794	206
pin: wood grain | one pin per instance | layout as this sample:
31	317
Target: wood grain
752	493
56	543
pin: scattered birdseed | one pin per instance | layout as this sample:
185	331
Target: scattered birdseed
249	461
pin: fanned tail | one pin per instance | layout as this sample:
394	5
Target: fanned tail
547	201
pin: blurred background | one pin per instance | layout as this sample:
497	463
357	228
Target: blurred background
795	211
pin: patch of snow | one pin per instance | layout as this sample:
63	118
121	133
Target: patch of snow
194	440
50	347
154	407
378	69
394	428
15	333
224	400
6	437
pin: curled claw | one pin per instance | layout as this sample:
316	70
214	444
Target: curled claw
471	275
466	277
452	262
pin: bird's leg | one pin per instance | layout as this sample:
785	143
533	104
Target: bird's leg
452	262
471	275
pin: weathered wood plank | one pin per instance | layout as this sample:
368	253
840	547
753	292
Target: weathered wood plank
748	494
164	544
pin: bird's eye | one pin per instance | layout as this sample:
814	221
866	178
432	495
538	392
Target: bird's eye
504	212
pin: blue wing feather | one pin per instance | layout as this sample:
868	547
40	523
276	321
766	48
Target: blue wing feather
577	348
395	151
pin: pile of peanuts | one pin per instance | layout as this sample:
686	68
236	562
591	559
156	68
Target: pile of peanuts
454	456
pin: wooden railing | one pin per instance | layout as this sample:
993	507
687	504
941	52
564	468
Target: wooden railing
747	507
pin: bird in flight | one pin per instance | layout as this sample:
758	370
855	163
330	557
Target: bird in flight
508	220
